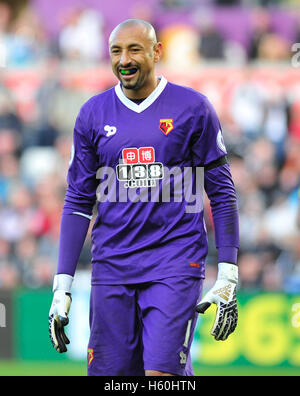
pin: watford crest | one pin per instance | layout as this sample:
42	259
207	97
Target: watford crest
166	125
90	356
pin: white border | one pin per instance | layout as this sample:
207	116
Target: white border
83	215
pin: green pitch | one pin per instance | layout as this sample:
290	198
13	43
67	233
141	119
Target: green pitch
65	368
52	369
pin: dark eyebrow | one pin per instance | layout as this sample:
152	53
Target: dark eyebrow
129	46
135	45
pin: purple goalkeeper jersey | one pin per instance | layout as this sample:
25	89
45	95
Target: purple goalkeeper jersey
142	164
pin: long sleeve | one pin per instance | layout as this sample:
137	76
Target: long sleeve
82	180
221	192
209	152
73	232
80	197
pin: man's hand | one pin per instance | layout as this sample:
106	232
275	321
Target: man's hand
58	315
223	294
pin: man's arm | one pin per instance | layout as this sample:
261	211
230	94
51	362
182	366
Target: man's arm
221	192
209	151
73	231
77	212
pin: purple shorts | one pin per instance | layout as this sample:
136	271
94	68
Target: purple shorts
147	326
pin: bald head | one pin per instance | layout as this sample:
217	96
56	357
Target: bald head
134	51
146	30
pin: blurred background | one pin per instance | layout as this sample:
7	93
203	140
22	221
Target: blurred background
243	55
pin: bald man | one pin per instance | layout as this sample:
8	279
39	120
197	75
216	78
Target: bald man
145	151
134	50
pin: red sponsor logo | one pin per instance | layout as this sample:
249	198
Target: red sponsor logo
143	155
146	155
196	265
130	155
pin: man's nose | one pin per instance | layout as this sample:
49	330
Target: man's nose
125	58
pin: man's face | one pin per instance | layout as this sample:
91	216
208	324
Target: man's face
133	54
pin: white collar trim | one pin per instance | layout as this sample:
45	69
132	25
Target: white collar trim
138	108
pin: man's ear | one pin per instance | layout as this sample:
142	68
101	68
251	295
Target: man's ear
158	49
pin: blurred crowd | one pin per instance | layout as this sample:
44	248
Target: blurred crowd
44	79
192	31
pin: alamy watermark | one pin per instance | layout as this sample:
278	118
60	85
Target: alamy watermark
2	315
295	60
152	182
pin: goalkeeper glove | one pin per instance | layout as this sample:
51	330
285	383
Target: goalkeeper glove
58	315
223	294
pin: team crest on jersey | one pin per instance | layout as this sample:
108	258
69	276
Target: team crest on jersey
90	352
166	125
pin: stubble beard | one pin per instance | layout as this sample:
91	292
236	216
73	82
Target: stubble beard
133	85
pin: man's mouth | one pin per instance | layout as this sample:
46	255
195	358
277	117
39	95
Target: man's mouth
128	72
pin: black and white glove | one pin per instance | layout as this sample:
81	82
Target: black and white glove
58	315
223	294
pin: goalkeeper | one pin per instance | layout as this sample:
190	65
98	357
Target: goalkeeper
148	255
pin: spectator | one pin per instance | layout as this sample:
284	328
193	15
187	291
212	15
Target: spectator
82	36
251	268
247	106
294	121
27	42
275	124
265	44
261	27
273	47
176	5
9	119
180	46
5	19
211	45
227	2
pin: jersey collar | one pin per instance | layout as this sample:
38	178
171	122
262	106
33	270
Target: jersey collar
138	108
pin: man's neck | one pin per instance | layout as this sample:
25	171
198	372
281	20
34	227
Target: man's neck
142	93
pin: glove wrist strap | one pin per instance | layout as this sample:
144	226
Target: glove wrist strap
228	272
62	282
